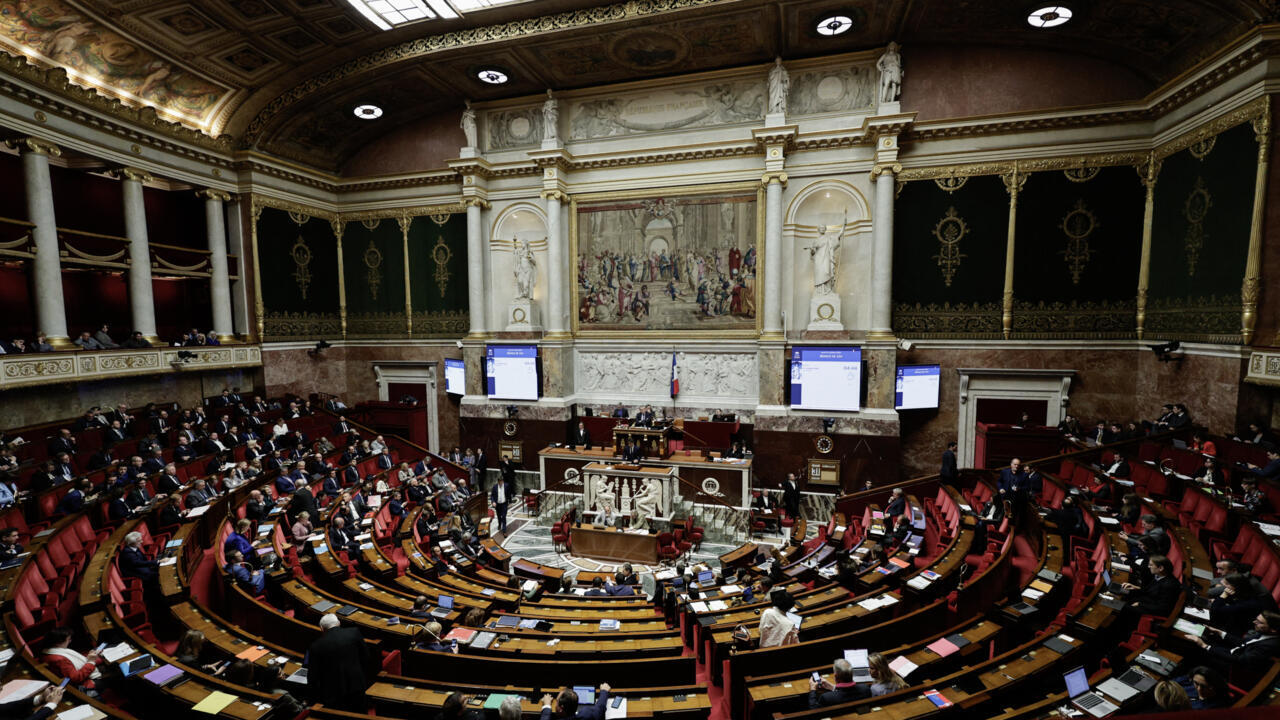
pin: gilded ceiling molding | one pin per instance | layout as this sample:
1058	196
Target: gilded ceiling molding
618	12
1250	111
951	171
260	201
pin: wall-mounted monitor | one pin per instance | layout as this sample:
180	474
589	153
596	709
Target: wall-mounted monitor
916	387
511	372
826	378
455	376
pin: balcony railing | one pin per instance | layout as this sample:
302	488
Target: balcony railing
30	369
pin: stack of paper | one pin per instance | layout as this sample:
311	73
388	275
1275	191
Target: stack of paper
902	666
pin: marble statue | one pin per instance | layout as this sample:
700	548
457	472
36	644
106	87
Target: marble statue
525	269
601	489
779	85
550	118
645	504
825	252
469	124
890	67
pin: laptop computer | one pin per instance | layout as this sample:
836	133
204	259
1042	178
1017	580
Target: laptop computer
1114	588
1078	691
1138	680
136	665
446	607
1118	690
1180	443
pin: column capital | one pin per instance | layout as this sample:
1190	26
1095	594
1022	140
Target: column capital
774	176
214	194
556	194
479	202
879	169
34	145
134	174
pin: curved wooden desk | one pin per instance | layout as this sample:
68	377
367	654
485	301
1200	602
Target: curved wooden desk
609	543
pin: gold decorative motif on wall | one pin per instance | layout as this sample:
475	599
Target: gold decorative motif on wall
301	265
439	218
1214	318
1077	225
1081	174
384	324
1094	320
1200	149
441	255
932	320
447	323
373	263
1194	210
949	231
298	217
289	325
950	183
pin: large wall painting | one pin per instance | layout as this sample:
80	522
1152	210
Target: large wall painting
687	260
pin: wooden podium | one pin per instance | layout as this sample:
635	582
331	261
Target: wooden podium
653	441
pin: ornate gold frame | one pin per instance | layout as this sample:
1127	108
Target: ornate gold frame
687	190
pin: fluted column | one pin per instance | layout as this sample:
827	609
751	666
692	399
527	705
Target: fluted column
772	320
219	280
475	265
555	265
51	314
885	176
141	303
1250	288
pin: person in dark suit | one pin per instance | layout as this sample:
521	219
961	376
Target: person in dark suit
342	426
341	537
1150	529
950	471
1256	648
620	412
1159	594
330	486
336	667
565	705
168	483
133	563
1271	471
303	500
73	502
249	579
10	548
38	707
1238	603
118	509
844	689
597	588
183	452
1010	477
897	504
171	512
501	495
791	496
581	436
256	508
618	587
632	452
1119	467
198	496
761	500
63	443
395	506
508	469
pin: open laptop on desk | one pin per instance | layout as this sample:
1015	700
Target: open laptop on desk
446	607
1114	588
706	576
1078	690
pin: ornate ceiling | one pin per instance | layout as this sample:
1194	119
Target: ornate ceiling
282	76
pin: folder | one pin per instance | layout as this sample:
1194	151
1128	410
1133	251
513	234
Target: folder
214	703
943	647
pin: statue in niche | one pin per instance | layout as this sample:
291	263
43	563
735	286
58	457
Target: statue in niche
550	118
779	85
825	252
890	67
469	124
526	269
645	503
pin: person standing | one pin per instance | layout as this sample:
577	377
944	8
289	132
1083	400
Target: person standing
791	496
335	666
500	495
950	471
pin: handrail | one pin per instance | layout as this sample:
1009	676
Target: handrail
86	233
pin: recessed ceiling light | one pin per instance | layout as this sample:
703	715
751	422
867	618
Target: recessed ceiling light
492	76
1050	16
368	112
834	25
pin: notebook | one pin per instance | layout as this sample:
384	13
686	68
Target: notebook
164	674
323	606
508	621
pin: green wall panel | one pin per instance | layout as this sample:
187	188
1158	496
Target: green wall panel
298	262
373	268
438	274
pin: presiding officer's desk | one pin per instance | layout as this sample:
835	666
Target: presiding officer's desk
731	477
610	543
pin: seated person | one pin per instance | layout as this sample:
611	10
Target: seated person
1202	444
80	669
73	502
1150	526
1256	648
342	538
844	689
629	575
133	563
737	451
597	588
761	500
1119	467
883	679
1238	603
421	607
1206	689
395	507
199	495
430	639
252	580
239	539
565	705
1254	500
10	548
302	529
1158	595
618	587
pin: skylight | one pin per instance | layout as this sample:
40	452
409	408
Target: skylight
387	14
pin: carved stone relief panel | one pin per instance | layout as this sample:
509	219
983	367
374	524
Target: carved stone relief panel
513	129
836	89
610	376
682	108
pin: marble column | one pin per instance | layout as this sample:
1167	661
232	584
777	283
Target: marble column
51	315
772	320
1150	172
882	251
555	265
141	303
475	265
219	281
239	288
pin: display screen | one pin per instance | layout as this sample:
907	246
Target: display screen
916	387
826	378
455	376
511	371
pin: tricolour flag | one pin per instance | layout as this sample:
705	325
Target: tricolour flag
675	376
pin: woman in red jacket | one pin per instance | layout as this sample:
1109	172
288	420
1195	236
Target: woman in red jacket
67	663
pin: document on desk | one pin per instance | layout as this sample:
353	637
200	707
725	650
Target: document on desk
214	703
116	653
82	712
197	512
717	605
1197	613
15	690
1188	627
943	647
918	582
698	606
902	666
252	654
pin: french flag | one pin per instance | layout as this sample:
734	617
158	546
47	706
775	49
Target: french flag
675	376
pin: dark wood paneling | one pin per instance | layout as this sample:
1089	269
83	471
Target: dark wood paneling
861	457
533	434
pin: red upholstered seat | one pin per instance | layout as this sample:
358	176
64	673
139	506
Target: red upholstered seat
667	549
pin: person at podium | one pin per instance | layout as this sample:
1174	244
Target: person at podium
645	417
632	452
581	436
